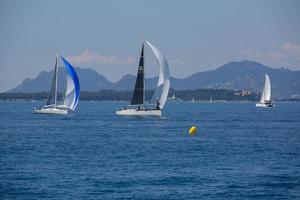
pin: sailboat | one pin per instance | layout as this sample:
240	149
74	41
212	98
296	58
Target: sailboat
210	100
71	97
137	105
173	98
265	99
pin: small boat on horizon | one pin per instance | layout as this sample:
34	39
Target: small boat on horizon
265	99
173	98
71	94
137	105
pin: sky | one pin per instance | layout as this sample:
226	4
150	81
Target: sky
106	35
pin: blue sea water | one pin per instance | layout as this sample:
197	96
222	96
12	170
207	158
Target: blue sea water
239	152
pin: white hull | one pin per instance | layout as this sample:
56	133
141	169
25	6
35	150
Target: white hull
51	111
135	112
63	107
264	105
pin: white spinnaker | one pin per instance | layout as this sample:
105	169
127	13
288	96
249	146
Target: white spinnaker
70	96
266	93
164	74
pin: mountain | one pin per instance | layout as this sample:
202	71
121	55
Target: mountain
90	80
244	75
127	82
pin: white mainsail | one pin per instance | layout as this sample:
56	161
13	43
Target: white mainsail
164	74
266	93
52	99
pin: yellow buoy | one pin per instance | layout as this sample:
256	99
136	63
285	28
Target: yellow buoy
193	130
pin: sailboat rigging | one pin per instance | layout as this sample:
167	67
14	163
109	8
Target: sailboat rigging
71	97
138	97
265	100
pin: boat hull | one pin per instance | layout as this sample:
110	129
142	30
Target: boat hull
51	111
135	112
264	105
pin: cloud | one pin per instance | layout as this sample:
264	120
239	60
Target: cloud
271	56
287	54
88	57
292	48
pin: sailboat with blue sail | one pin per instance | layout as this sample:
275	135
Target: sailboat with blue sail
137	105
71	96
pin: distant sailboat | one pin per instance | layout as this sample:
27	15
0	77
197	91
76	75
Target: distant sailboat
211	100
71	97
193	100
265	100
138	97
172	97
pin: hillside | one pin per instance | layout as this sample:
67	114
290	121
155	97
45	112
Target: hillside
245	75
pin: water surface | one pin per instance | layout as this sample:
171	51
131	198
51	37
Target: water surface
239	152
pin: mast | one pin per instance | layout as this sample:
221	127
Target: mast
143	60
52	98
55	98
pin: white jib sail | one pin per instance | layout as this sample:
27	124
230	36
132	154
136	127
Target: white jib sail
266	94
69	96
164	74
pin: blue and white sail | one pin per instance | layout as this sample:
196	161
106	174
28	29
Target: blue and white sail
73	87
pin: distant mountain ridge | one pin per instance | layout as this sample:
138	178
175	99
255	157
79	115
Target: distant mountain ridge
244	75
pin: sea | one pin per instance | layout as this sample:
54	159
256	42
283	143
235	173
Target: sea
238	152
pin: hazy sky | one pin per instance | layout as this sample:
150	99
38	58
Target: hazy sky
106	35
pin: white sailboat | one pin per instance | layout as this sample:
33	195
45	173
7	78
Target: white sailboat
137	105
71	97
265	99
172	97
